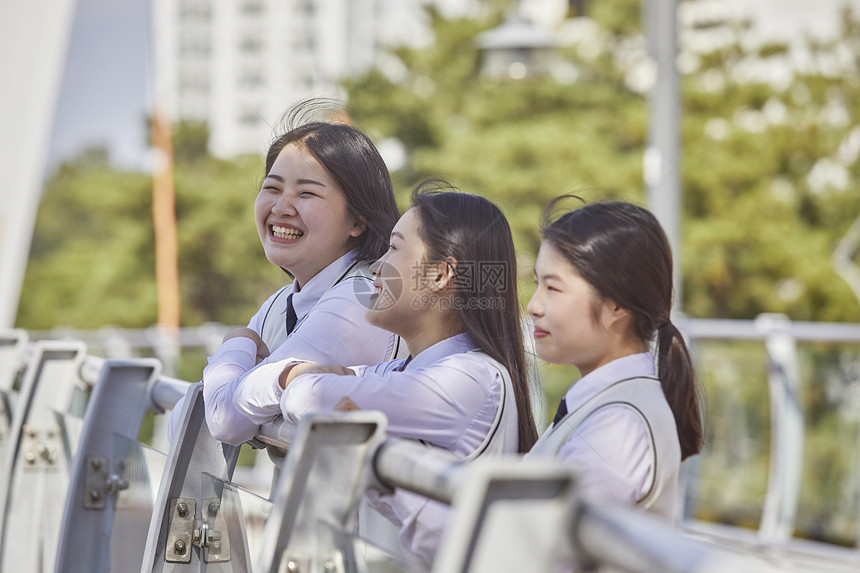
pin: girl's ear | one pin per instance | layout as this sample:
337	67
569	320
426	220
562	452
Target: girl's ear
443	274
613	315
359	224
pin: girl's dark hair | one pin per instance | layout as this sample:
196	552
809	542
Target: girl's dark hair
620	249
475	233
354	162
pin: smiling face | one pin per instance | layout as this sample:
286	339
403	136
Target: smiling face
563	309
302	216
396	284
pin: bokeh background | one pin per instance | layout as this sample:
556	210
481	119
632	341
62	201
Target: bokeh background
770	141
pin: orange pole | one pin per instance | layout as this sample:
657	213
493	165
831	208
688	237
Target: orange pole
164	220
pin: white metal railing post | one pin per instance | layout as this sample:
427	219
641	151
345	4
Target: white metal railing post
13	345
509	516
786	450
99	472
35	472
316	499
186	514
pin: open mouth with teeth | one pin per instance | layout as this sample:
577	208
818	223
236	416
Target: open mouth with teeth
285	232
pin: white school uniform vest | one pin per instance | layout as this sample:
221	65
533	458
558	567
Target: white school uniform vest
644	397
274	327
503	436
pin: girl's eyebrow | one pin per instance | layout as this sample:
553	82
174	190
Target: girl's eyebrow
396	234
548	276
300	181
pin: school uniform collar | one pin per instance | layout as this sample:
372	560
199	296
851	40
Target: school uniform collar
305	299
456	344
588	386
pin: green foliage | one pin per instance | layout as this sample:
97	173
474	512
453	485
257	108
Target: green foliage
92	259
756	236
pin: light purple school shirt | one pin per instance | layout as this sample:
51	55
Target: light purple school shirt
331	329
446	396
611	446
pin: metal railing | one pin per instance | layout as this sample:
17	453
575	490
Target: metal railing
79	492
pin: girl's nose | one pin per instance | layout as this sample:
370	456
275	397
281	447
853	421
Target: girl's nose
374	268
284	206
534	308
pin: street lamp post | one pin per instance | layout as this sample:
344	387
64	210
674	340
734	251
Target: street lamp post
661	164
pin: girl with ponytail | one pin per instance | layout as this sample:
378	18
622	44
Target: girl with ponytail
602	303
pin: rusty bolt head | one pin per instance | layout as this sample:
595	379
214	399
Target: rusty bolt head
95	494
179	547
96	464
213	508
182	509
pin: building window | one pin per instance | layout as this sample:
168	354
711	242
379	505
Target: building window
194	47
249	118
251	45
253	8
195	11
251	80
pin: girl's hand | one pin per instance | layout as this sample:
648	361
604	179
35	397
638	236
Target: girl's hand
262	349
293	369
346	404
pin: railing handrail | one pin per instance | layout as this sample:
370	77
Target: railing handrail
210	334
164	393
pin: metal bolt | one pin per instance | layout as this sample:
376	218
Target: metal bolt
213	508
216	547
30	457
292	566
179	547
328	566
95	494
32	433
182	509
96	464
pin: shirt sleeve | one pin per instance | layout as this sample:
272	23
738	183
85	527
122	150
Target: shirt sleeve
611	449
334	332
451	403
220	378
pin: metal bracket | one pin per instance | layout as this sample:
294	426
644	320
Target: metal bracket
216	548
100	483
38	452
185	530
294	562
181	530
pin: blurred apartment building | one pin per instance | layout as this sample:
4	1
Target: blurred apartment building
237	65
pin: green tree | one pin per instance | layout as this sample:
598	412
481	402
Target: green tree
92	258
757	230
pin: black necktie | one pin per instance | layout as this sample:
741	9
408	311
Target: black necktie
291	314
561	412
